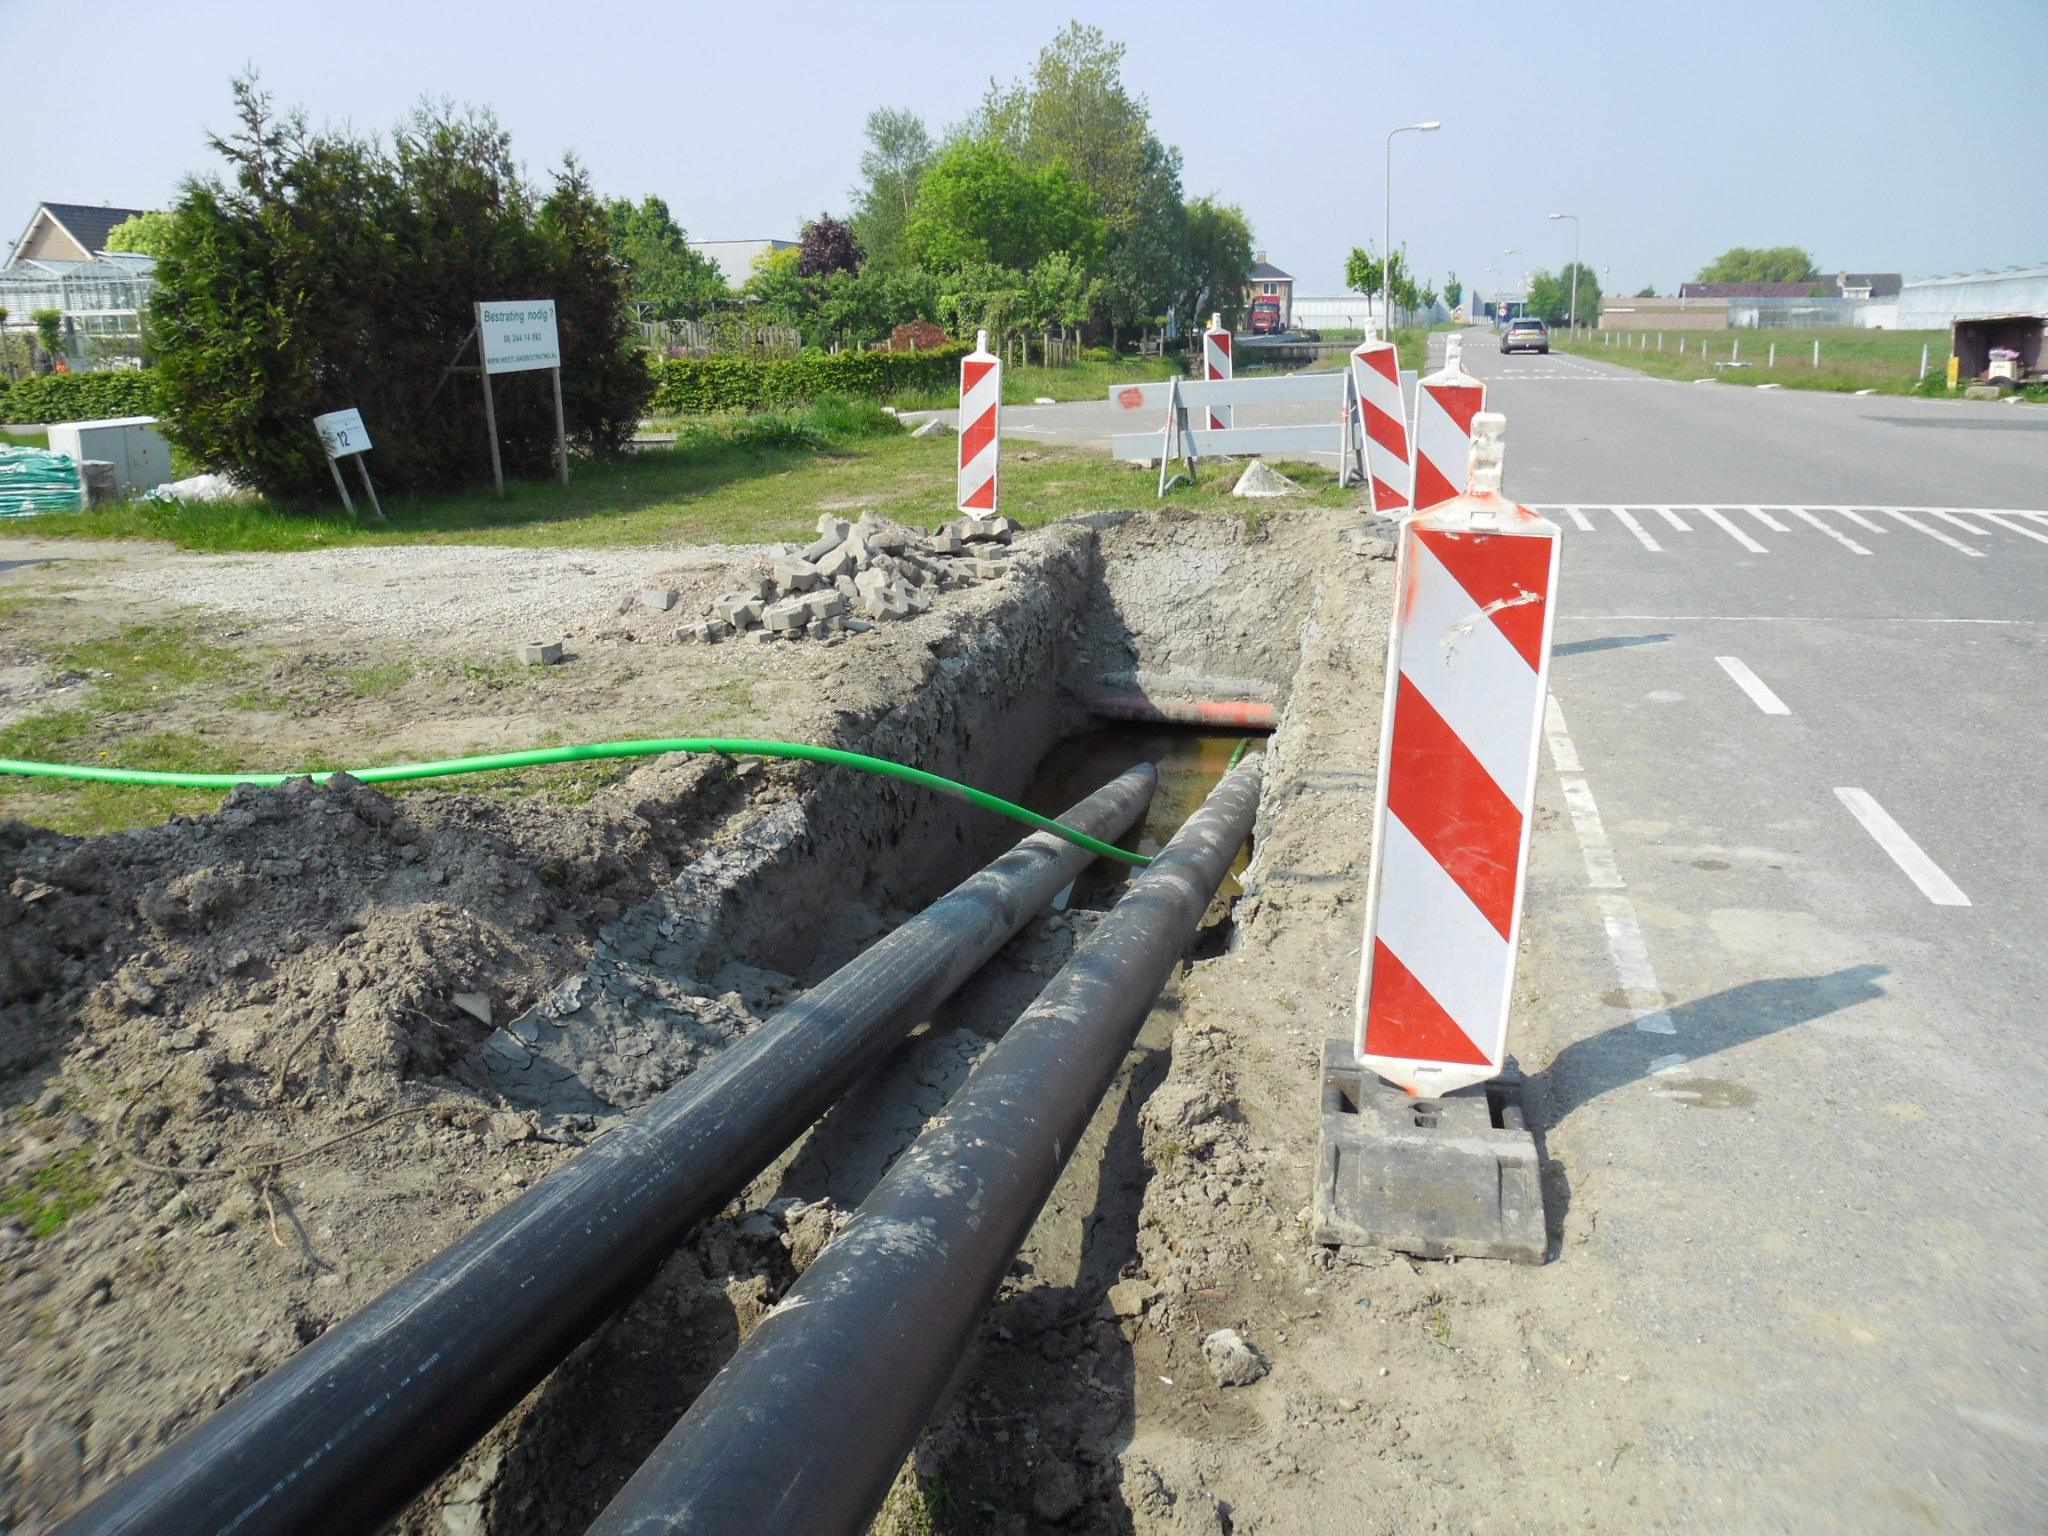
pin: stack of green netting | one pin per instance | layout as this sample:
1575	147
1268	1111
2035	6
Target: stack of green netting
36	480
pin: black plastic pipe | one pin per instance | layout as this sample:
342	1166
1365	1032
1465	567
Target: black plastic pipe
804	1429
341	1437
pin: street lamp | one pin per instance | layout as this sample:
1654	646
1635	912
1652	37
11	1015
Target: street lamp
1575	267
1523	263
1387	226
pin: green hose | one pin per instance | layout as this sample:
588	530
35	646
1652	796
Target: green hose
599	749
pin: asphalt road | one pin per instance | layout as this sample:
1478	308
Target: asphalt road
1785	971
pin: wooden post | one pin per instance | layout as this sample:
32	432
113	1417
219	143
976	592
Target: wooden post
363	469
561	429
341	485
483	372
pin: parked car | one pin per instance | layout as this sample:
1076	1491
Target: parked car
1526	334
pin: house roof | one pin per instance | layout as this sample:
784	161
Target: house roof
1882	285
1265	271
85	223
1748	290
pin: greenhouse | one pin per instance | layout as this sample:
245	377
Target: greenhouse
101	301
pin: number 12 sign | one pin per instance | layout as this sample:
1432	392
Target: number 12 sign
342	433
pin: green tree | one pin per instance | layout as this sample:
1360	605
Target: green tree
893	164
1779	264
49	324
1364	273
666	277
1218	270
1647	291
1454	291
329	270
979	204
1550	295
143	235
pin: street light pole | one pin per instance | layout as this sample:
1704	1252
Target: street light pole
1575	266
1387	227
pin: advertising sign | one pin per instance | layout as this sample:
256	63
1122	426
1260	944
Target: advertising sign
518	335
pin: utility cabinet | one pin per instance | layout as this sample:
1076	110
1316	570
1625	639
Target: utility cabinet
132	444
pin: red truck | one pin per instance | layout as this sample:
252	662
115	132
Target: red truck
1265	317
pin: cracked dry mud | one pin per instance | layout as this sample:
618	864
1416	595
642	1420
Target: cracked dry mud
293	1000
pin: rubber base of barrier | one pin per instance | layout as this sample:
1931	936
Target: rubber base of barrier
1455	1177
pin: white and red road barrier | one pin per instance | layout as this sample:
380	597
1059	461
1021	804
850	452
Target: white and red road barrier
1445	404
981	436
1469	661
1216	365
1376	376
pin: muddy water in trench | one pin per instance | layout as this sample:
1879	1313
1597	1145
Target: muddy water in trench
1189	763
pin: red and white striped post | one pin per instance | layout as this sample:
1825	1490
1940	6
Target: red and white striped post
1376	375
1445	404
981	437
1469	661
1216	365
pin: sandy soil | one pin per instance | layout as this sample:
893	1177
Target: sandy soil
255	1042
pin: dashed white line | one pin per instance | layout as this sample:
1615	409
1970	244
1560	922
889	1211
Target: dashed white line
1860	520
1628	521
1831	531
1625	942
1584	523
1766	519
1907	854
1933	533
1758	691
1734	532
1673	519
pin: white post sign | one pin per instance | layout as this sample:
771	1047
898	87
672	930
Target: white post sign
343	436
342	433
518	335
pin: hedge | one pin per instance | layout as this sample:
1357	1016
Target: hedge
693	385
52	397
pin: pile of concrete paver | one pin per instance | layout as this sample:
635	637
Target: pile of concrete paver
856	575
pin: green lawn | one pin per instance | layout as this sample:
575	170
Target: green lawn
1886	361
746	480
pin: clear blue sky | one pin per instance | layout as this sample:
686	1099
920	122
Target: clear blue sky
1881	135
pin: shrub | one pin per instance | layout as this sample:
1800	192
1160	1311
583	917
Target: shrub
334	270
51	397
697	385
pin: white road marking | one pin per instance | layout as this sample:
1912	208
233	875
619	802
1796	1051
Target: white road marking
1860	520
1625	942
1970	528
1933	533
1754	686
1585	523
1766	519
1673	519
1832	532
1628	521
1907	854
2012	527
1734	532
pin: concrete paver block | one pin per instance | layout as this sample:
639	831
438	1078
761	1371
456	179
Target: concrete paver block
793	573
540	653
789	614
658	599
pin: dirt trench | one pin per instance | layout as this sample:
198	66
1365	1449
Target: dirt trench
261	1062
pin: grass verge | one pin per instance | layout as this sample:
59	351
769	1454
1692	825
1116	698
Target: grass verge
1885	361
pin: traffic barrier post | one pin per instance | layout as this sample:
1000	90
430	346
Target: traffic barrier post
1376	378
1445	405
1468	665
981	440
1216	366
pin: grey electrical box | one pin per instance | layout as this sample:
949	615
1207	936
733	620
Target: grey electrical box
132	444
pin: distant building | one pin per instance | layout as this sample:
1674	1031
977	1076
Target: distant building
1269	282
1867	285
736	258
1750	290
1935	303
69	232
61	262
